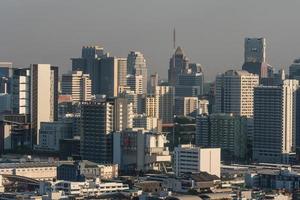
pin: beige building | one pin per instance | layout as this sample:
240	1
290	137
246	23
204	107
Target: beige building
44	96
122	71
78	85
42	171
152	107
189	158
234	92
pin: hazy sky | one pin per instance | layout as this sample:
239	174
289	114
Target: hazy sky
211	32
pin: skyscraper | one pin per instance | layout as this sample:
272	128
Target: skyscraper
234	92
122	71
98	121
78	85
178	65
165	97
44	96
136	65
135	82
275	122
294	70
255	57
89	63
226	131
107	77
97	124
21	90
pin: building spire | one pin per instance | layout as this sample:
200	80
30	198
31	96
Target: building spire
174	38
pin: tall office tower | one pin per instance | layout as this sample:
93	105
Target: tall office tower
132	98
225	131
108	77
97	124
195	68
178	65
189	84
21	90
153	82
152	107
275	122
165	98
255	57
186	106
122	71
234	92
136	65
89	63
135	82
78	85
44	96
188	158
294	70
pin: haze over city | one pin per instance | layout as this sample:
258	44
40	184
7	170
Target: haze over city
211	32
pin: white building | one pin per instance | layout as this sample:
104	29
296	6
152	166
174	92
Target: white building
275	122
89	189
234	92
78	85
188	158
140	150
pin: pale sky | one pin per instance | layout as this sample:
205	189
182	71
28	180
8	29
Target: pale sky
211	32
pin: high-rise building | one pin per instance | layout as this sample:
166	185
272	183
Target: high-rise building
165	98
135	82
136	65
108	77
152	106
294	70
21	90
122	71
275	122
225	131
189	84
153	82
203	106
98	121
186	106
179	63
44	96
188	158
78	85
255	57
89	63
97	124
234	92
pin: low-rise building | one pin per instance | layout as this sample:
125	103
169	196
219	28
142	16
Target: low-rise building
189	158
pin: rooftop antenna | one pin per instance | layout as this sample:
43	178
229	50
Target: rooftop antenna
174	38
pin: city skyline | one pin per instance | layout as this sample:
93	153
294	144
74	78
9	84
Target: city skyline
215	41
